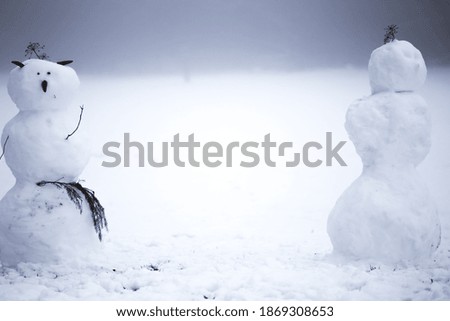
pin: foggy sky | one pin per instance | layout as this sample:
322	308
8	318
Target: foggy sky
210	35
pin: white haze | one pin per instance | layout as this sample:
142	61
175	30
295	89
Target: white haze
197	36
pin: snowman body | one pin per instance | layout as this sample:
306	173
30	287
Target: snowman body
387	214
41	223
37	148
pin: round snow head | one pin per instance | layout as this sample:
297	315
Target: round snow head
396	66
42	85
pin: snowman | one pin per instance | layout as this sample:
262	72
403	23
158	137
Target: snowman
47	216
387	214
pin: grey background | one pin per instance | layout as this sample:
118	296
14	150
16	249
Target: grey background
169	36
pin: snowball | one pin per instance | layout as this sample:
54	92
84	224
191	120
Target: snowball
385	215
42	225
390	128
37	149
27	90
396	66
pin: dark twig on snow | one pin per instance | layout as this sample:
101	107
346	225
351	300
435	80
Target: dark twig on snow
4	147
35	48
79	122
391	32
77	193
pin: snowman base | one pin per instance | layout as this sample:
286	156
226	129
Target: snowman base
42	224
389	223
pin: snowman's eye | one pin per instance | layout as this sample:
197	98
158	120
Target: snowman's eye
38	73
48	72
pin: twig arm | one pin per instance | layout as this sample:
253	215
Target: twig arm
4	147
79	122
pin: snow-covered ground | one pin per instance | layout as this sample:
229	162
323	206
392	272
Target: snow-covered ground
231	233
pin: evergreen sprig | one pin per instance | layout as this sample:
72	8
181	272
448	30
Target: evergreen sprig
34	48
77	194
391	32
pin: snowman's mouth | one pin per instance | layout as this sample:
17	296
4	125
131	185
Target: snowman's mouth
44	85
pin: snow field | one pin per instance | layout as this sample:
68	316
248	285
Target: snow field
231	233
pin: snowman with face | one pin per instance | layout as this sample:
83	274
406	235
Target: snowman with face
387	214
45	217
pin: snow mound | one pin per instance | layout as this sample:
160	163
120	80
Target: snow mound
386	216
396	66
40	224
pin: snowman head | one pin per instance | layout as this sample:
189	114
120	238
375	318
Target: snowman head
396	66
42	85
